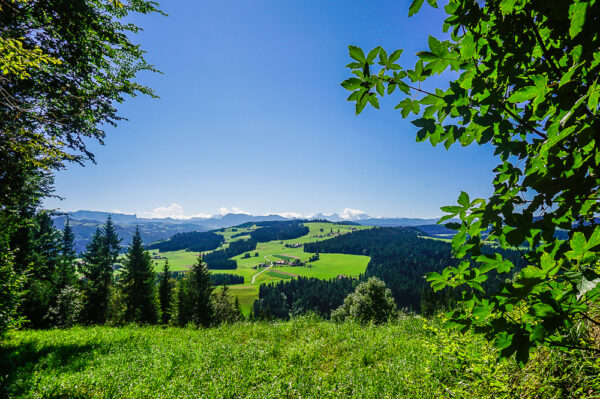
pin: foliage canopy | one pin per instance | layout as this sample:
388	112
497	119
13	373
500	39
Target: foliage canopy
64	67
371	302
528	86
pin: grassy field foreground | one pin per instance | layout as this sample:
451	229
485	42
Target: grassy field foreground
411	358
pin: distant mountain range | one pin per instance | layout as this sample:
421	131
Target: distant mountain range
85	222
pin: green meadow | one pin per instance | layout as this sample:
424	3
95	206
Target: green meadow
246	294
229	232
438	238
278	274
306	357
328	266
178	260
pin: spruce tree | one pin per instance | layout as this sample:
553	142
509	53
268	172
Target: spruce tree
165	293
237	307
112	241
42	254
137	283
66	271
66	303
226	307
184	303
99	259
45	247
200	289
97	273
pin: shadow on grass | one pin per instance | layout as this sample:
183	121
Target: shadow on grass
18	363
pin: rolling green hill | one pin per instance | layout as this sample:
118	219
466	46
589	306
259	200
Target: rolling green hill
269	253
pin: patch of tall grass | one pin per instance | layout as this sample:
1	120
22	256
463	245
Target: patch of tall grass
306	357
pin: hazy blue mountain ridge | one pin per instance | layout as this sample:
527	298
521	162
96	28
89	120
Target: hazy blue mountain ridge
85	222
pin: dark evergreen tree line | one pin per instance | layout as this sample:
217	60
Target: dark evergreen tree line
401	257
220	259
226	279
196	241
222	263
287	298
59	292
138	284
99	262
274	231
43	253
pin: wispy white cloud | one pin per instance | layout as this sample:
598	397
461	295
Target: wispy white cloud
224	211
202	215
352	214
174	211
290	215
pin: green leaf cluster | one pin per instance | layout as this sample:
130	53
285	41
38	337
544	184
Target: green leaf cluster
19	61
64	67
528	86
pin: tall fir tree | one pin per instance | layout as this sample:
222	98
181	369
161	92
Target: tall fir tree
45	240
138	283
97	273
165	293
226	307
200	289
112	241
66	271
184	308
43	254
66	302
99	260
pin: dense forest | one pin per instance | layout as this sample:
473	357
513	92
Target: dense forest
402	257
221	259
302	295
436	230
399	256
226	279
195	241
236	235
273	231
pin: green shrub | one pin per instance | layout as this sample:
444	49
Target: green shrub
371	302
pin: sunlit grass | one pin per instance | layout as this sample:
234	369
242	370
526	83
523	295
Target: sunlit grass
302	358
306	357
246	294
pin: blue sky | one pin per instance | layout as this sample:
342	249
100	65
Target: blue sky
252	117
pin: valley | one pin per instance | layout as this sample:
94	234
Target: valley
281	254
